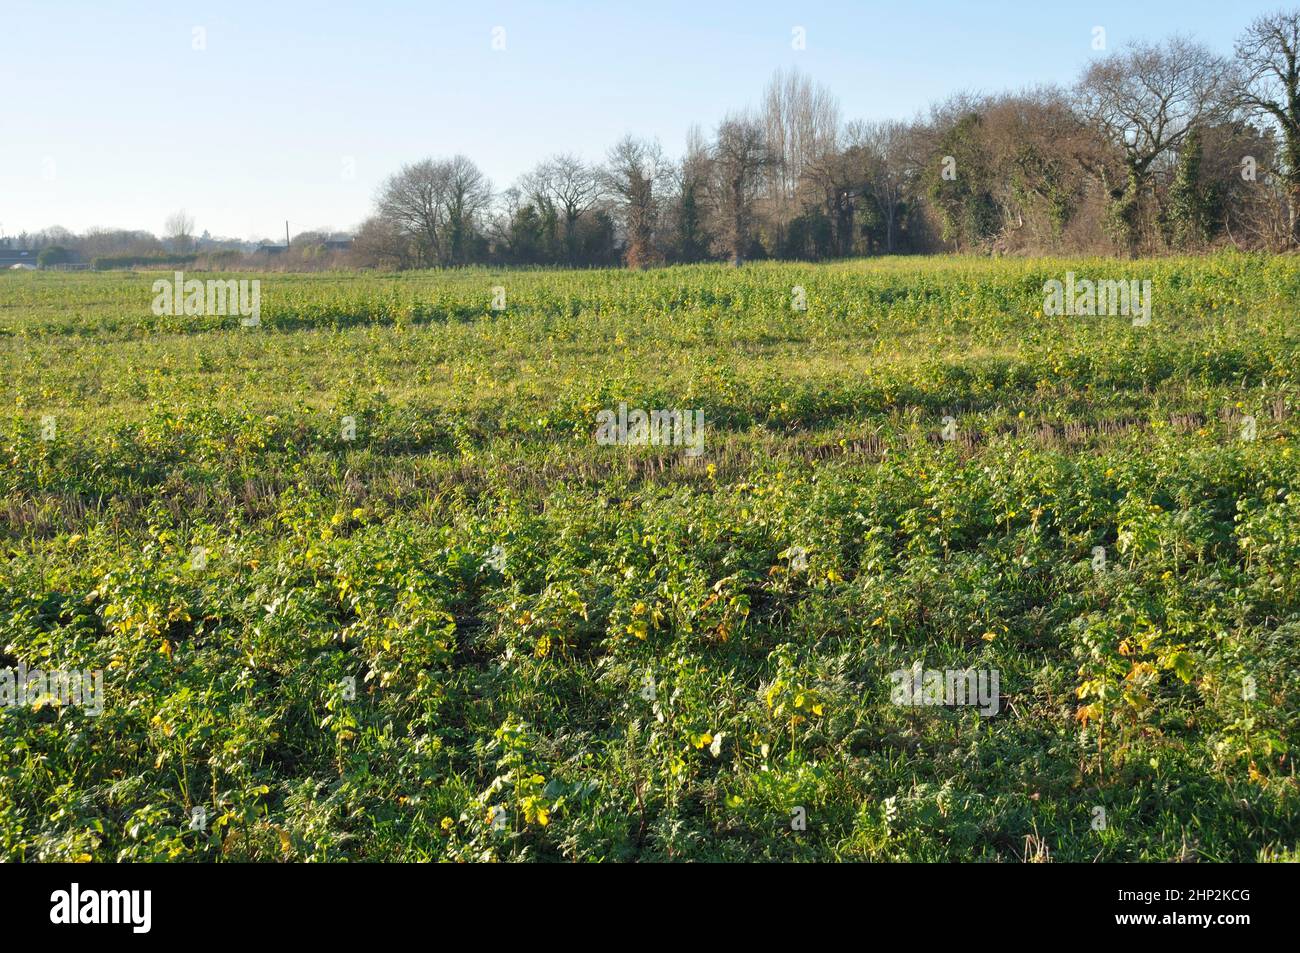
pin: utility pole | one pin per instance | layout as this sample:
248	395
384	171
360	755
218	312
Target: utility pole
286	234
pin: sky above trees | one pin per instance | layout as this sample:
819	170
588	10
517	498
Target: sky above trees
249	114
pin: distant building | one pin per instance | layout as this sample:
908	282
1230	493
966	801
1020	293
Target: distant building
17	258
343	243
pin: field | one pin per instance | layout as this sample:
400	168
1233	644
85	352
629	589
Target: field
473	631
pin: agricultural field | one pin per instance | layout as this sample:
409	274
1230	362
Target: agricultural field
363	584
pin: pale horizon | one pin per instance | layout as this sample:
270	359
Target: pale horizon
299	112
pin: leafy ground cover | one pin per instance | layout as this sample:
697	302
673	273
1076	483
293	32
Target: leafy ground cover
474	632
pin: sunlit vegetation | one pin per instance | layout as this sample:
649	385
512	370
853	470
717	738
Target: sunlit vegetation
612	652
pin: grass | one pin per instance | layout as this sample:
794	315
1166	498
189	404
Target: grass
623	653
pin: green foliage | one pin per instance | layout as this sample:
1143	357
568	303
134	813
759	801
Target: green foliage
111	262
473	633
1195	205
54	255
964	201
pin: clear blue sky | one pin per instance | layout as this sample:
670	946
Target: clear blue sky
112	118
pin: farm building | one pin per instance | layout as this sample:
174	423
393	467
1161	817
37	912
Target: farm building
17	258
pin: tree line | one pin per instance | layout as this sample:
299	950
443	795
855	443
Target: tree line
1159	147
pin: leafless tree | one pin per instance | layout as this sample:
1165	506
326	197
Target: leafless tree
572	187
634	173
801	124
740	158
413	201
1145	99
469	192
379	243
178	230
102	241
1040	150
691	183
508	203
1267	84
436	204
884	162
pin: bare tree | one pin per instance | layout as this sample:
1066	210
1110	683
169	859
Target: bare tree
881	157
740	158
100	241
801	123
379	243
572	187
178	230
1039	149
413	200
691	181
633	175
1267	84
469	192
436	204
1145	99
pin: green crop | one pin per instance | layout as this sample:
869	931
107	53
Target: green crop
467	630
